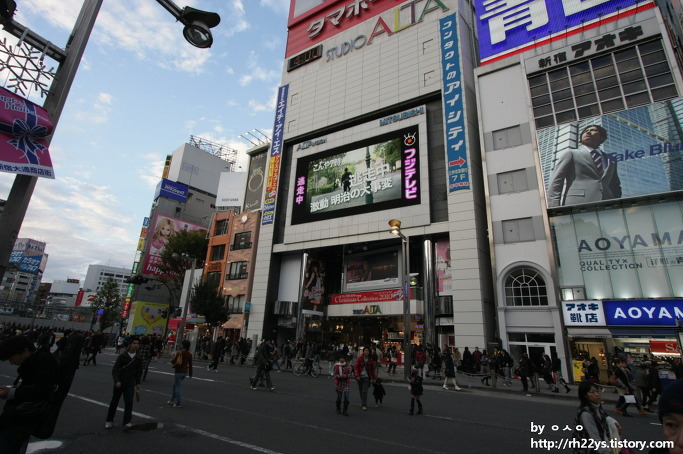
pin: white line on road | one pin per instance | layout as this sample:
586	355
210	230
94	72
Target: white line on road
193	378
191	429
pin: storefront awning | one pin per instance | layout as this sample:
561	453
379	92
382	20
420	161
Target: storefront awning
234	322
599	332
189	323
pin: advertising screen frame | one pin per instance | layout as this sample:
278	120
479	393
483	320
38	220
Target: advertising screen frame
381	275
409	177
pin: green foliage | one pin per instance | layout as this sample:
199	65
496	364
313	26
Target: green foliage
390	151
109	301
207	301
176	258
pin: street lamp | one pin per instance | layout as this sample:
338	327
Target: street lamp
197	23
395	225
181	325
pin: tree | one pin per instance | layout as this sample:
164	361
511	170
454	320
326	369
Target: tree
177	256
208	302
107	303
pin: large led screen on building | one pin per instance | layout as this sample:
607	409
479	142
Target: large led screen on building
372	175
372	270
622	253
623	154
510	27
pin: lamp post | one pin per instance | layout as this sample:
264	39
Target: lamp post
395	225
181	325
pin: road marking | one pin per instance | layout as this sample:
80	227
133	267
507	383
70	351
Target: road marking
193	378
191	429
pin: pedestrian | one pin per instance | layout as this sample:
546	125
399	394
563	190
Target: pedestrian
234	351
671	417
654	384
449	372
415	391
365	373
26	404
95	346
263	366
145	355
216	353
342	381
288	352
524	372
275	357
127	373
594	423
547	370
507	363
393	360
485	370
625	388
378	392
182	363
557	371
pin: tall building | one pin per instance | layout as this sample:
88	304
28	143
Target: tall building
580	125
376	121
24	274
98	275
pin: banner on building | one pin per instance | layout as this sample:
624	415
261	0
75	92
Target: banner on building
171	190
444	275
255	180
163	228
24	128
452	91
640	153
313	295
276	144
231	189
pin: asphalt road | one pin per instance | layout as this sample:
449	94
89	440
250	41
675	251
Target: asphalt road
222	414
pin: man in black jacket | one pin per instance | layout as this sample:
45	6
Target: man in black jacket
127	373
26	404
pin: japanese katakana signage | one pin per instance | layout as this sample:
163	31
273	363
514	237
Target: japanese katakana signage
275	152
583	313
453	107
510	27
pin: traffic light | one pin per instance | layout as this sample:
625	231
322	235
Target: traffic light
136	279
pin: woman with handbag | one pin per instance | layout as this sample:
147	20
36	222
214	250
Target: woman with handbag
594	423
182	363
625	389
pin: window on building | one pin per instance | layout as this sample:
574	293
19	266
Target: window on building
217	252
514	181
606	83
518	230
242	241
238	270
213	279
221	227
506	138
525	287
235	304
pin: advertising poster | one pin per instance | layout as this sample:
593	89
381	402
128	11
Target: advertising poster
314	284
376	174
628	153
24	128
443	266
372	270
231	189
163	228
255	180
149	318
28	254
634	252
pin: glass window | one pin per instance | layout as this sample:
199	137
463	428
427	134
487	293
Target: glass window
630	76
667	92
563	117
514	181
217	252
657	68
582	100
638	99
221	227
589	111
658	81
635	87
525	287
238	270
611	106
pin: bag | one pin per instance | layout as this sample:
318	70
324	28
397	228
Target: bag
177	361
630	398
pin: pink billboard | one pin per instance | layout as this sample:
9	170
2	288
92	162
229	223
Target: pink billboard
163	228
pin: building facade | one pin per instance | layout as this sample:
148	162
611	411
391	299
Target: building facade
376	120
98	275
581	140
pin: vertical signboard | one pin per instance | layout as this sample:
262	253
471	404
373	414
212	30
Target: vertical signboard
275	152
454	113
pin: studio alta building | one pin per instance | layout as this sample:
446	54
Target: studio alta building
581	142
376	121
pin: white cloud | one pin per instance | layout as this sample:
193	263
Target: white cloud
257	72
276	5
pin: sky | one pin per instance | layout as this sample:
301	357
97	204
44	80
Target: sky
139	94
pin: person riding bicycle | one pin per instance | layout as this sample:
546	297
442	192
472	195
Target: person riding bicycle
308	357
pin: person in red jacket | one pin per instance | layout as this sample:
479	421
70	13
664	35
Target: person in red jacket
365	373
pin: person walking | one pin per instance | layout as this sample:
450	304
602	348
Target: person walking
524	372
145	355
182	363
624	388
485	370
449	372
416	391
594	423
216	354
127	373
365	373
342	383
263	365
557	370
654	384
393	360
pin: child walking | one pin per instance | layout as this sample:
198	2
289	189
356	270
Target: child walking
378	392
342	373
415	391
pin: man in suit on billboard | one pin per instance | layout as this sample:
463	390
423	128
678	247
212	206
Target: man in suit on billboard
584	174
